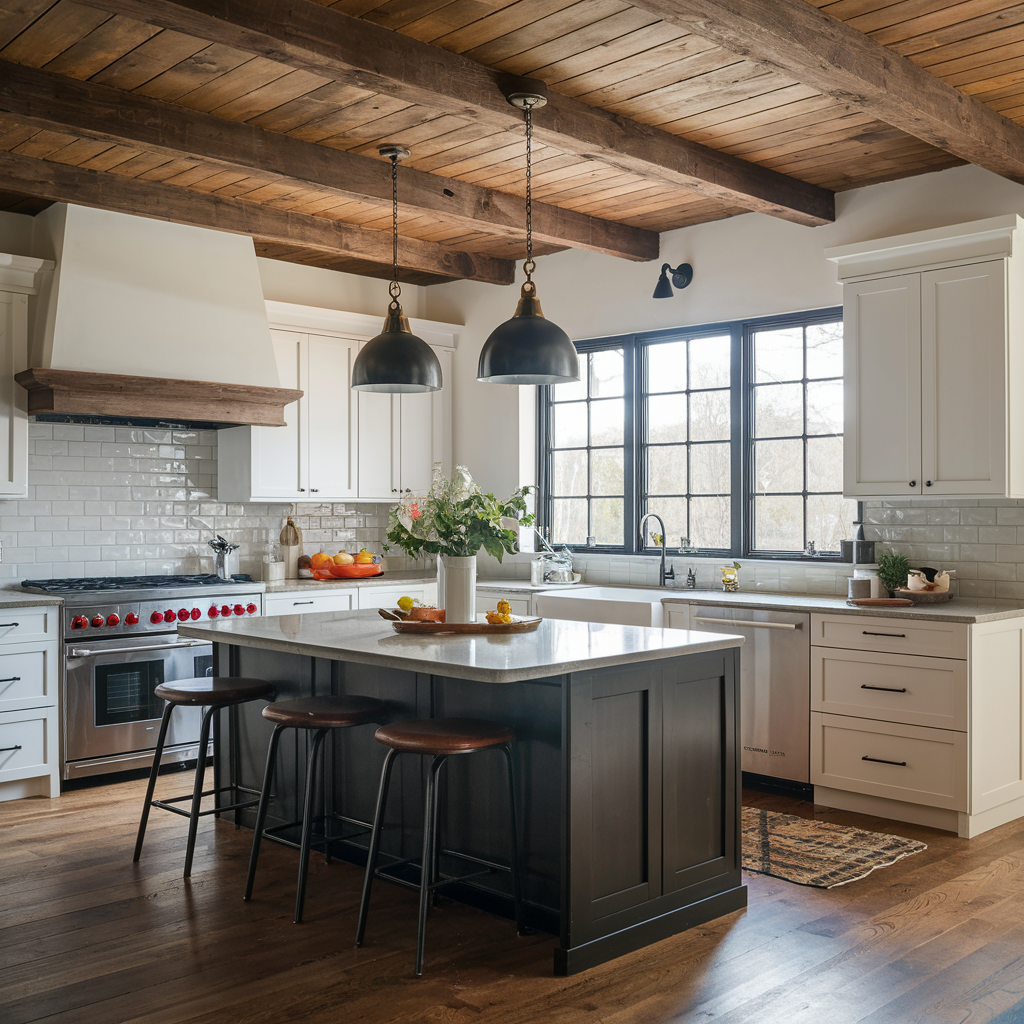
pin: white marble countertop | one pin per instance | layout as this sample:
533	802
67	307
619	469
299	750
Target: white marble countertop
23	599
558	646
960	609
385	579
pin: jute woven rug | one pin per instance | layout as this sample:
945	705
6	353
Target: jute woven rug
815	852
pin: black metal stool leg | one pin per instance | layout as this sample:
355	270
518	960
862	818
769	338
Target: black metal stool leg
307	821
427	861
517	888
435	868
261	813
371	857
197	789
143	821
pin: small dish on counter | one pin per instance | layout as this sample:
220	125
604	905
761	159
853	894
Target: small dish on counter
926	596
880	602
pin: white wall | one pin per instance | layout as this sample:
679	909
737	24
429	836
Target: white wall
746	266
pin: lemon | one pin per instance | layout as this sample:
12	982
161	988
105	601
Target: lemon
405	603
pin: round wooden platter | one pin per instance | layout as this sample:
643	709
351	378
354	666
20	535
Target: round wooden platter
517	625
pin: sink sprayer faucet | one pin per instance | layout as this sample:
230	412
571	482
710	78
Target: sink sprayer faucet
665	574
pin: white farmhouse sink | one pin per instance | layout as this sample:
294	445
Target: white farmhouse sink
627	607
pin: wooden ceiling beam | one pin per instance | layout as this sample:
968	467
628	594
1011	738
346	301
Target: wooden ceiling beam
307	36
805	43
62	104
424	262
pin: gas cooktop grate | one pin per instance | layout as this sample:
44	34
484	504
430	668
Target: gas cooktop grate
100	584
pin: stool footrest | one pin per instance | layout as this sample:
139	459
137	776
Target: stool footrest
317	840
166	804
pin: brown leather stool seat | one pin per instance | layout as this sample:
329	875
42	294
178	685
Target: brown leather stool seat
211	693
439	739
215	690
320	715
325	712
443	735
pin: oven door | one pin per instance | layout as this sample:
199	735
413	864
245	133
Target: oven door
110	709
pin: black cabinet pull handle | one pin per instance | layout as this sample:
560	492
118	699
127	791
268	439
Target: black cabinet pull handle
888	689
927	483
865	632
8	625
13	679
882	760
913	483
4	750
301	602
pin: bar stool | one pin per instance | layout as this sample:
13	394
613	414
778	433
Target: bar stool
438	738
320	714
212	693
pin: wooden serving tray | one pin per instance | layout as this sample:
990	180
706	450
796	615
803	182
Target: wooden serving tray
880	602
523	625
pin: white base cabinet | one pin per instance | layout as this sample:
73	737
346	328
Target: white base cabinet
30	662
934	362
919	721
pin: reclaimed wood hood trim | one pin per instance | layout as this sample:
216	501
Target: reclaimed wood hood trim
113	394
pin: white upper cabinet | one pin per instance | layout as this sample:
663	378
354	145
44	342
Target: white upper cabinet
338	444
20	277
934	362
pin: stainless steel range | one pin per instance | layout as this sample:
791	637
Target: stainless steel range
120	643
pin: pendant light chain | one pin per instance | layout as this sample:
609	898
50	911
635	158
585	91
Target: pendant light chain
395	289
529	266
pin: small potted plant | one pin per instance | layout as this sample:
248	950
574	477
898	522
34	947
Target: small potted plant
893	570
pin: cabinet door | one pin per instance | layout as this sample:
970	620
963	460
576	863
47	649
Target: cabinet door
963	379
378	469
882	393
278	453
422	425
13	397
330	415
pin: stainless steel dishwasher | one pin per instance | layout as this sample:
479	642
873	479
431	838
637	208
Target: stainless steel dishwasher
775	686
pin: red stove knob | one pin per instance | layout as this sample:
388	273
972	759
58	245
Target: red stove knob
97	621
226	610
156	617
183	615
79	622
170	615
251	609
213	612
131	619
195	614
113	620
239	609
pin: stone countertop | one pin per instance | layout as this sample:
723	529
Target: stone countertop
556	647
23	599
527	587
385	579
960	609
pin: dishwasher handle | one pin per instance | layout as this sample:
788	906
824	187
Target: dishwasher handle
747	622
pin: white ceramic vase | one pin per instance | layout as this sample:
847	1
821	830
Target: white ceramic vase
456	587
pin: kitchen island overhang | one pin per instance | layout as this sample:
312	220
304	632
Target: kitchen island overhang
627	761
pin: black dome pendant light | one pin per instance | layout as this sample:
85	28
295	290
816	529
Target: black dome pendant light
528	349
396	360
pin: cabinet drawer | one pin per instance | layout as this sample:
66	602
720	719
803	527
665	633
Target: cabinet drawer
891	635
25	681
299	604
381	597
20	625
890	687
27	744
901	762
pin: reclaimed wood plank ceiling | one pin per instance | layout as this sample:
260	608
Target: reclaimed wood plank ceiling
265	117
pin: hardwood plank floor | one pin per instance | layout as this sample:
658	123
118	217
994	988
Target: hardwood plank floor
86	937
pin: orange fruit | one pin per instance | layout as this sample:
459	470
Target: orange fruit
344	558
319	561
364	557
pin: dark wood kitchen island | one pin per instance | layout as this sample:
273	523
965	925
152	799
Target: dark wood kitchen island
627	762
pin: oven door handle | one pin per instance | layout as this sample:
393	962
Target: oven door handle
82	652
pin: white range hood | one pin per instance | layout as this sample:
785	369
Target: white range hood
144	319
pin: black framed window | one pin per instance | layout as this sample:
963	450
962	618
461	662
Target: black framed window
732	433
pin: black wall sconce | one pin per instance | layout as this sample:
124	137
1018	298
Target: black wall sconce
681	277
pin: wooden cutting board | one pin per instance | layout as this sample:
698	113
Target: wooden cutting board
523	625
